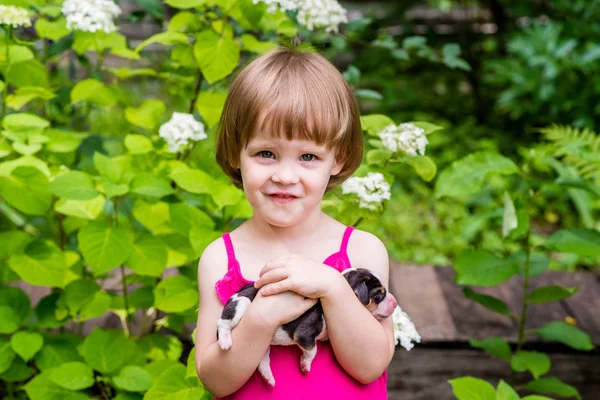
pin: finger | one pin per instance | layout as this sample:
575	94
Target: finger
276	288
271	265
274	275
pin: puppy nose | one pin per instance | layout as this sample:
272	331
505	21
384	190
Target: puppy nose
392	303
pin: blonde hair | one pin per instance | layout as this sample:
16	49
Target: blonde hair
294	94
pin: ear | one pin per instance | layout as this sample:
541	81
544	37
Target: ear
362	293
337	167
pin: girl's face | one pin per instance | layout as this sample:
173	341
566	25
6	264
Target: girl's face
285	180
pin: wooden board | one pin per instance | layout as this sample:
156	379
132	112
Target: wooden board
420	295
423	373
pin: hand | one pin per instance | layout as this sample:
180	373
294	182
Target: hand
300	275
281	308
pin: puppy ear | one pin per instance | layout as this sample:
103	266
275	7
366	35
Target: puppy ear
362	293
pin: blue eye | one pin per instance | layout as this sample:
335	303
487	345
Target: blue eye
308	157
266	154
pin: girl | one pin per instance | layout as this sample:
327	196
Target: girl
290	131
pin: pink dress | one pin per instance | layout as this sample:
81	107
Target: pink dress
326	379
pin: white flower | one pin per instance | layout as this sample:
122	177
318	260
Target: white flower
404	330
328	14
181	131
406	137
14	16
371	190
91	15
284	5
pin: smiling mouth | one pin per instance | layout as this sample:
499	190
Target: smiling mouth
282	198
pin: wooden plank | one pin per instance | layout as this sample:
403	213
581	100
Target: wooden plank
420	295
472	320
423	372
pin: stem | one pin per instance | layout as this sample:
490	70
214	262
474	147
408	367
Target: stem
196	92
126	325
521	337
357	222
7	56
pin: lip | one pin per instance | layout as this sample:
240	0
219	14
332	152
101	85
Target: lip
281	197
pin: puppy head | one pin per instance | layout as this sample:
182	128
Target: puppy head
370	291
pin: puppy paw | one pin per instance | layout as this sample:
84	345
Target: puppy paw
225	342
305	367
270	381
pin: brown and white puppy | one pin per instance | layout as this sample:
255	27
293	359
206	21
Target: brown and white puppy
305	330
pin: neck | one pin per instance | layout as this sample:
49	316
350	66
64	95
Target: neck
289	236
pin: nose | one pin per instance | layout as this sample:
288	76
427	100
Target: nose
285	174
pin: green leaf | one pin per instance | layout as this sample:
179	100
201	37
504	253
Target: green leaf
146	116
509	220
42	264
175	294
149	256
225	194
467	175
72	376
86	209
251	43
102	352
184	217
25	94
160	347
155	216
166	38
482	268
15	298
9	320
26	344
7	355
217	56
138	144
107	167
53	30
505	392
56	351
78	294
553	385
424	166
26	189
94	92
536	363
193	180
20	122
42	388
74	185
133	379
538	262
378	156
104	247
149	184
375	123
495	346
550	293
172	385
536	397
489	302
210	105
585	242
201	237
567	334
142	297
428	127
368	94
16	54
97	307
469	388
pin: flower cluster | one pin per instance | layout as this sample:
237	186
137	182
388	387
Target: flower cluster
371	190
91	15
14	16
406	137
404	330
328	14
180	131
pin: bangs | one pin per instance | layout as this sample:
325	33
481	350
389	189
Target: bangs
302	104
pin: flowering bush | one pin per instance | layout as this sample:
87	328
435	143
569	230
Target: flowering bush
100	181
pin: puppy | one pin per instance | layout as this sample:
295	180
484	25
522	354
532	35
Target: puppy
305	330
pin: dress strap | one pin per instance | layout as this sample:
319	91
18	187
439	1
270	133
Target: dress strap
229	247
346	239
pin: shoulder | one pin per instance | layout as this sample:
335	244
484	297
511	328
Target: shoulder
366	250
213	263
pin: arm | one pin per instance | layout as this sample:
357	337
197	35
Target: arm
224	372
363	346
